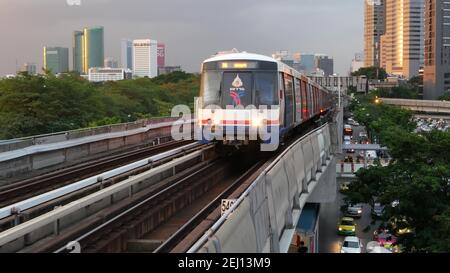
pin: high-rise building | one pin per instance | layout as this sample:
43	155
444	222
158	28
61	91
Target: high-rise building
161	55
111	62
357	62
30	68
145	58
403	42
56	59
127	53
436	77
88	49
307	62
374	28
325	63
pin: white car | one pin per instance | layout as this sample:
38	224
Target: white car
354	210
347	138
363	134
351	244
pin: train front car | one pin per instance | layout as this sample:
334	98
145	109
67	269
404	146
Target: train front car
239	100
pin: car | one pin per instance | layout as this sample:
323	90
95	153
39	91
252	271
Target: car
371	154
385	238
363	135
348	138
354	210
348	131
400	227
377	210
344	186
351	244
347	226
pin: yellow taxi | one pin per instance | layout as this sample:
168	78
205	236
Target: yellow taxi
347	226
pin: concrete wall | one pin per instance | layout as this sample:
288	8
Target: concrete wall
264	220
27	160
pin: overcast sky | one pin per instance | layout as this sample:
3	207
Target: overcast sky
192	30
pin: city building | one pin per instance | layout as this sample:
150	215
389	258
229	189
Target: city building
436	72
307	62
357	62
374	28
88	49
403	41
127	53
56	59
324	63
102	74
30	68
111	62
168	69
161	55
145	55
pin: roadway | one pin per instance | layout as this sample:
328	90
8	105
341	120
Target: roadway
330	214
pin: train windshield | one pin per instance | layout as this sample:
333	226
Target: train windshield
239	88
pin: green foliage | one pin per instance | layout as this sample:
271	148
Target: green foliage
418	177
400	92
372	73
445	97
31	105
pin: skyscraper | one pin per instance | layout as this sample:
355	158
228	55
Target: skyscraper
127	53
307	62
324	63
56	59
161	55
374	27
145	58
357	62
403	42
111	62
88	49
436	76
30	68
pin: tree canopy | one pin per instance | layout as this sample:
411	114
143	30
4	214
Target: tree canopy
417	177
31	105
372	73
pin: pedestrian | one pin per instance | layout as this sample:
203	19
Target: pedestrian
302	248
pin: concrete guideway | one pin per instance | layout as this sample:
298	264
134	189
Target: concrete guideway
124	187
43	198
263	218
57	149
428	106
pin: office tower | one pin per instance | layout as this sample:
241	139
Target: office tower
161	55
111	62
307	62
127	53
357	62
145	58
403	42
374	28
325	63
30	68
88	49
436	77
56	59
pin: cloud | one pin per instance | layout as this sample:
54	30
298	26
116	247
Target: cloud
191	29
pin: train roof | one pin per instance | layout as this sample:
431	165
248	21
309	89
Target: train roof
240	56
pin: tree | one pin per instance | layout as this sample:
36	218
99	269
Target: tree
372	73
417	177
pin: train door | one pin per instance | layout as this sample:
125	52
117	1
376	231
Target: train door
298	102
309	98
304	92
288	100
281	98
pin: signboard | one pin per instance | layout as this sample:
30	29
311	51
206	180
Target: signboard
226	205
